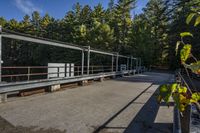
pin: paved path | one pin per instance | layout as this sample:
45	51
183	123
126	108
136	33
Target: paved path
123	105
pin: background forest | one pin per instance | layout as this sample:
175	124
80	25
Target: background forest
151	35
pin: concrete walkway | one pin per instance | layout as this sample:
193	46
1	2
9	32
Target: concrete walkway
126	104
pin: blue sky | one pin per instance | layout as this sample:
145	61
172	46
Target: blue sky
57	8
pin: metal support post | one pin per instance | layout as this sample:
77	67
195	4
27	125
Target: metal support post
117	60
88	61
92	68
82	63
112	62
0	52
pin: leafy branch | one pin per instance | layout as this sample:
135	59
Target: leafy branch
181	92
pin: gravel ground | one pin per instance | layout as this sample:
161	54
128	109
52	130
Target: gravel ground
123	105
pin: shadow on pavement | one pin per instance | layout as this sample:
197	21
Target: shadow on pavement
103	126
148	77
143	122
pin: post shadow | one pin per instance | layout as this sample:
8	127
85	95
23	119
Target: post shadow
143	122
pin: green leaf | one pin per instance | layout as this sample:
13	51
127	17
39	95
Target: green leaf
195	67
176	100
177	88
185	52
182	89
197	22
164	93
163	89
174	87
189	18
183	34
181	101
195	97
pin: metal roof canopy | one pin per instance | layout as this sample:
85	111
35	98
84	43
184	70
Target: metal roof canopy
20	36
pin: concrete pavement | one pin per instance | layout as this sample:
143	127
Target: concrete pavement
122	105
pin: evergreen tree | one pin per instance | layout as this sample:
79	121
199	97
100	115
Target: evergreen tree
151	35
155	14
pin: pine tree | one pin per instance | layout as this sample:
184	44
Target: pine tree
155	13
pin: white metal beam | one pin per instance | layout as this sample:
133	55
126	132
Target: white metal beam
54	43
101	52
82	63
40	41
88	61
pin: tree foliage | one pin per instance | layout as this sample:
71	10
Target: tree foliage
151	35
180	92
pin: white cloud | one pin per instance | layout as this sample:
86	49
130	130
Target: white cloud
26	6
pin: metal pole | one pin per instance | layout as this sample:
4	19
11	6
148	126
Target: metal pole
127	64
88	61
82	63
112	62
29	71
0	51
117	60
